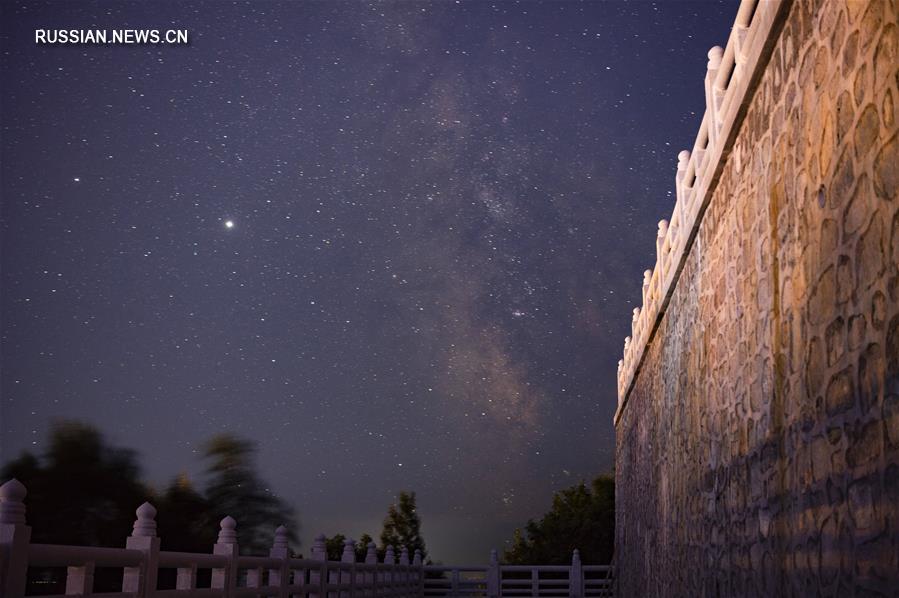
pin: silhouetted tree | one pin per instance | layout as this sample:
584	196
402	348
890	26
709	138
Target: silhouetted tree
234	489
186	522
362	547
334	546
82	491
402	526
581	517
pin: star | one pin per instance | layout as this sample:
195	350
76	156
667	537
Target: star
229	224
77	179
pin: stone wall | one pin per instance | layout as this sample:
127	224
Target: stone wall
758	447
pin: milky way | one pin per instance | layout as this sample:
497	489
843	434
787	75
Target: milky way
396	244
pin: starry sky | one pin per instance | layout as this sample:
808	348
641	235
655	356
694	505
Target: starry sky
396	244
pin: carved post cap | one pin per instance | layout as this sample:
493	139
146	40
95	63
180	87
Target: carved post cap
416	558
12	509
494	556
389	556
280	537
371	556
682	159
349	551
228	531
576	557
404	555
145	524
715	55
663	228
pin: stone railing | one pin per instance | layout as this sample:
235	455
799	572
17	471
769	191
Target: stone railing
232	575
229	574
730	79
559	581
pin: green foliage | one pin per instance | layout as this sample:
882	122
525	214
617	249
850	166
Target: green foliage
334	547
362	547
234	489
402	526
581	517
185	522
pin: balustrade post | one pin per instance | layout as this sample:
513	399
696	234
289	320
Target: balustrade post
713	93
680	188
142	580
390	570
404	570
416	562
319	577
226	579
15	536
371	575
348	556
647	277
280	577
576	576
661	257
493	589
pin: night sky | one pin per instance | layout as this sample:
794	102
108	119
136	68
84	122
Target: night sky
439	213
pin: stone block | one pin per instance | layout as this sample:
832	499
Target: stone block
857	329
840	396
866	445
823	297
886	57
869	254
886	170
870	377
859	209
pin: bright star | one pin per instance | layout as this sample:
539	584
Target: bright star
229	224
77	179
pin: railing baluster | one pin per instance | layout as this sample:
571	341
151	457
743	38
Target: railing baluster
80	580
187	578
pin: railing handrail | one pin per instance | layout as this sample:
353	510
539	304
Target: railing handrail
62	555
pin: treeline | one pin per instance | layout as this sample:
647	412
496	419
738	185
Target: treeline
581	517
83	491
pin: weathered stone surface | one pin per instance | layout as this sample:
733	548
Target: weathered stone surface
857	331
866	130
886	170
886	58
840	396
858	211
869	255
870	377
758	453
835	341
823	296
